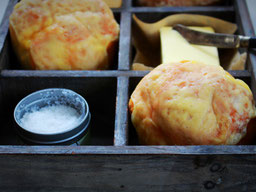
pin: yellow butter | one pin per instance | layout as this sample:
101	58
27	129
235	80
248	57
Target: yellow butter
175	48
114	3
237	81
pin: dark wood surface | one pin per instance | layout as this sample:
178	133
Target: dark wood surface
113	172
115	161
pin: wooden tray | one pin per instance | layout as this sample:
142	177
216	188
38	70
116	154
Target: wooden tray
115	161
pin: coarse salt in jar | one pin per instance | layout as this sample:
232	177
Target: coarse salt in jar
53	116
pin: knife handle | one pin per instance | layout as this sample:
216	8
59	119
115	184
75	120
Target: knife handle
252	42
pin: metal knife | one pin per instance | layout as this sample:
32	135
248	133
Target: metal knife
215	39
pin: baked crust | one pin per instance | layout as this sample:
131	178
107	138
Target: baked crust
191	103
67	34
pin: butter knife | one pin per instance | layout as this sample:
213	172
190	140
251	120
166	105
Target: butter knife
219	40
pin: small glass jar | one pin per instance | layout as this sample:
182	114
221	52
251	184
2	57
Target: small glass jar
79	134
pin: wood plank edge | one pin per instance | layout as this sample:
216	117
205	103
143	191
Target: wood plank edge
170	10
80	74
129	150
121	125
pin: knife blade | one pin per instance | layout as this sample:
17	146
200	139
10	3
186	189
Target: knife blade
215	39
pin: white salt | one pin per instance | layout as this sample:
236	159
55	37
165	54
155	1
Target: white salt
50	119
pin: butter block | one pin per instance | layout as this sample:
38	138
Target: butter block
175	48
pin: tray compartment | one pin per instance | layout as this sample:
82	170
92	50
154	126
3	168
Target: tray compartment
226	14
9	60
133	82
100	93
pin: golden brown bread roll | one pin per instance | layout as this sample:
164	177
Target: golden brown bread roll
191	103
63	34
157	3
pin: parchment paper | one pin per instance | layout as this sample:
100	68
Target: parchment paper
146	40
114	3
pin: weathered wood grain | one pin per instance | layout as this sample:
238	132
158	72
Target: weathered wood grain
129	150
246	28
252	68
12	74
172	10
4	23
125	41
121	126
136	3
127	173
